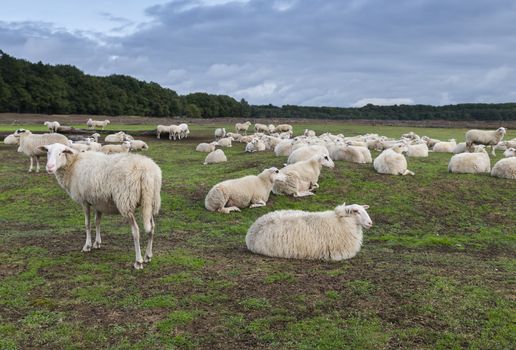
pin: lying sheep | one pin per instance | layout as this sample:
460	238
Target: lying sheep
332	235
284	148
249	191
484	137
242	127
236	137
505	168
216	156
138	145
302	177
460	148
122	148
285	135
392	162
162	129
255	145
470	163
429	141
118	137
11	140
220	133
348	153
92	124
52	126
419	150
306	152
309	133
503	145
246	138
445	147
509	152
225	142
206	147
111	184
30	143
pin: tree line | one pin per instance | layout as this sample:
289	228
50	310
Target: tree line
27	87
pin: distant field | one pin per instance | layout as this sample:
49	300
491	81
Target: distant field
436	271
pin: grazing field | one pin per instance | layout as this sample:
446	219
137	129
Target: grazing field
436	271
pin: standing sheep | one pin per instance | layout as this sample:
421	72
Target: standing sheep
505	168
392	162
52	126
30	143
239	127
249	191
97	123
162	129
470	163
261	128
284	128
484	137
111	184
332	235
185	131
220	133
216	156
174	132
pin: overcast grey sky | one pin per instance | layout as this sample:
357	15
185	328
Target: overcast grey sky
305	52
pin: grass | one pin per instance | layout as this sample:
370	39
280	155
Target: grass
436	271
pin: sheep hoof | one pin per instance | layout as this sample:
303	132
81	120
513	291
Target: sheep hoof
86	248
96	245
138	265
147	259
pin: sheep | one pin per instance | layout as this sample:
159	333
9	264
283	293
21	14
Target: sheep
470	163
284	128
418	150
138	145
509	152
206	147
284	148
92	124
348	153
445	147
52	126
391	161
236	137
94	146
185	131
484	137
118	137
285	135
239	127
302	177
122	148
429	141
79	147
272	128
460	148
246	138
249	191
505	168
256	145
11	140
306	152
160	129
411	136
95	137
309	133
220	133
260	128
332	235
111	184
216	156
365	153
174	132
503	145
225	142
29	144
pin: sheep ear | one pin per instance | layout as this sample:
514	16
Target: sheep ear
43	148
68	150
365	206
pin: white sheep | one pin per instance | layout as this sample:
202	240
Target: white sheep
138	145
261	128
97	123
118	137
256	145
484	137
309	133
162	129
503	145
239	127
220	133
285	135
216	156
206	147
470	163
332	235
418	150
249	191
429	141
122	148
302	177
30	143
11	140
79	147
272	128
349	154
246	138
111	184
392	162
509	152
236	137
505	168
174	132
52	126
185	131
225	142
306	152
460	148
445	146
284	148
284	128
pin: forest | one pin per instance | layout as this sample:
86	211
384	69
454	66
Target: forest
27	87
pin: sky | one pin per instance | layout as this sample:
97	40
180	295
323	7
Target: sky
304	52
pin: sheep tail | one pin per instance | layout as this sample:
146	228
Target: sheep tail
151	197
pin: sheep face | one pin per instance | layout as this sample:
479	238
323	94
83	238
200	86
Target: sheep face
276	175
400	148
501	131
326	161
56	156
356	211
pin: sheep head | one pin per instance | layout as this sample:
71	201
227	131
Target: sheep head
56	156
356	211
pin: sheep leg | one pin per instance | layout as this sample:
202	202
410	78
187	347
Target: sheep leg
87	245
303	194
493	151
138	264
30	168
148	251
37	164
98	240
408	172
258	204
227	210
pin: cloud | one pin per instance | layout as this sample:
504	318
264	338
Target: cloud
334	53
